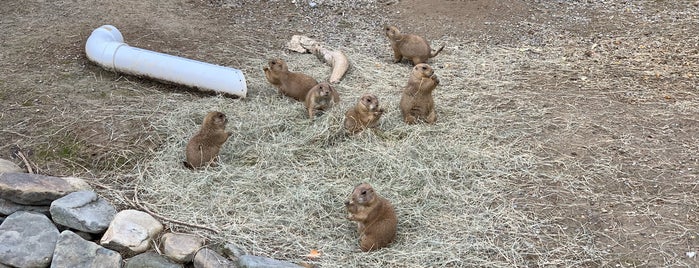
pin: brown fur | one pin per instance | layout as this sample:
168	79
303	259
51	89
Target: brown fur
272	72
410	46
416	102
365	114
203	148
375	217
321	98
292	84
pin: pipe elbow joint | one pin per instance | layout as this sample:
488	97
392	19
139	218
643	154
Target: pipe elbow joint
102	45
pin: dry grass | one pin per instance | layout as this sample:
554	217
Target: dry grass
486	186
282	181
565	149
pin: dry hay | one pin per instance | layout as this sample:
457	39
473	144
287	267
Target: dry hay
472	190
280	188
574	147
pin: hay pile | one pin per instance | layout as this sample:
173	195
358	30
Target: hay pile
280	188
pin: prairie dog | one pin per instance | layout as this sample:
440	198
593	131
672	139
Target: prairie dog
410	46
365	114
375	217
203	148
272	72
292	84
320	98
416	102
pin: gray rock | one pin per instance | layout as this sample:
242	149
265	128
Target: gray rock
28	240
181	247
250	261
232	251
73	251
151	260
83	211
84	235
8	207
35	189
207	258
7	166
131	232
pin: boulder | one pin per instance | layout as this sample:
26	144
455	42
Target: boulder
36	189
181	247
8	207
232	251
7	166
73	251
28	240
84	211
207	258
131	232
151	260
250	261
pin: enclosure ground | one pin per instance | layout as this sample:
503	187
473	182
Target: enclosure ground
568	131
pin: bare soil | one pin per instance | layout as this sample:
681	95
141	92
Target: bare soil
602	95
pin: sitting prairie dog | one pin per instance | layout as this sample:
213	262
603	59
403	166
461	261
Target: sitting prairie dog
203	148
273	70
365	114
321	98
292	84
416	102
375	217
335	58
410	46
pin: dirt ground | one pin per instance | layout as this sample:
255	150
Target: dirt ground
608	92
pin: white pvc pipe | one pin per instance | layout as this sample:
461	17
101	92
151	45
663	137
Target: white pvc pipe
106	47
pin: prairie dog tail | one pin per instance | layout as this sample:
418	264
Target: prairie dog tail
437	52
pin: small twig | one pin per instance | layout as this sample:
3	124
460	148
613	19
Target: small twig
26	162
138	204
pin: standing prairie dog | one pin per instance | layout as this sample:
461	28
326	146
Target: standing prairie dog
365	114
416	102
321	98
410	46
203	148
376	220
292	84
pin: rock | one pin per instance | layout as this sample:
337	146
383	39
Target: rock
8	207
28	240
73	251
83	211
131	232
250	261
84	235
151	260
232	251
207	258
181	247
300	43
7	166
78	184
35	189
